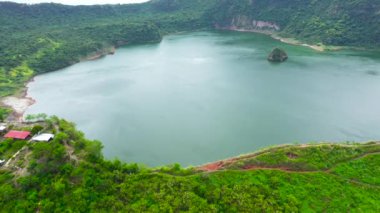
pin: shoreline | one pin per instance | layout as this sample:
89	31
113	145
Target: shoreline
291	41
111	50
19	102
219	165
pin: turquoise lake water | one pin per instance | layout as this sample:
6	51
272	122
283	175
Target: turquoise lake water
204	96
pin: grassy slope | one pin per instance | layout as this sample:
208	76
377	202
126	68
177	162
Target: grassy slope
70	174
319	157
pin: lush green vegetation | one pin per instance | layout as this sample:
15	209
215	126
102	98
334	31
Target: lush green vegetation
318	157
47	37
4	112
70	174
27	53
332	22
364	169
9	147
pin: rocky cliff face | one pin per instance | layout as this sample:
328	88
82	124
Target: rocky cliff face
338	22
245	23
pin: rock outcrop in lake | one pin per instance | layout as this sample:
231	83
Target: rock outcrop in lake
278	55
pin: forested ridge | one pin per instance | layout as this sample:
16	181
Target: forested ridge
332	22
46	37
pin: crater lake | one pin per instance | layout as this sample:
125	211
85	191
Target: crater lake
204	96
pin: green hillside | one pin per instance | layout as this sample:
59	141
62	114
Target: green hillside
46	37
69	174
332	22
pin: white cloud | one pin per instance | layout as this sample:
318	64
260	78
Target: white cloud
81	2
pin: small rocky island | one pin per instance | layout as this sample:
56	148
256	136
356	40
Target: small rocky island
277	55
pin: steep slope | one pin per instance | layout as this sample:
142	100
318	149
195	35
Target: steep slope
335	22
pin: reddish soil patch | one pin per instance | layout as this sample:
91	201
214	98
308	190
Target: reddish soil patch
212	166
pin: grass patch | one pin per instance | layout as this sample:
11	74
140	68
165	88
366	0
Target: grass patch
308	158
4	112
286	192
9	147
366	169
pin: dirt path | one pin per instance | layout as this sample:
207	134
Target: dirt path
17	153
70	151
14	157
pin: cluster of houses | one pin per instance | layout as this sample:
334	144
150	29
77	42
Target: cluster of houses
25	135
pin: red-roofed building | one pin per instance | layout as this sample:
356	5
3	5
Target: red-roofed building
22	135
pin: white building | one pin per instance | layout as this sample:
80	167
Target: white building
43	137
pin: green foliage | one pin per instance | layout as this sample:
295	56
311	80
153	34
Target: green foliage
33	39
36	118
310	158
366	169
36	129
336	22
46	37
4	112
48	158
69	174
93	151
176	169
9	147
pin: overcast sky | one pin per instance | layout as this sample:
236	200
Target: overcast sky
81	2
